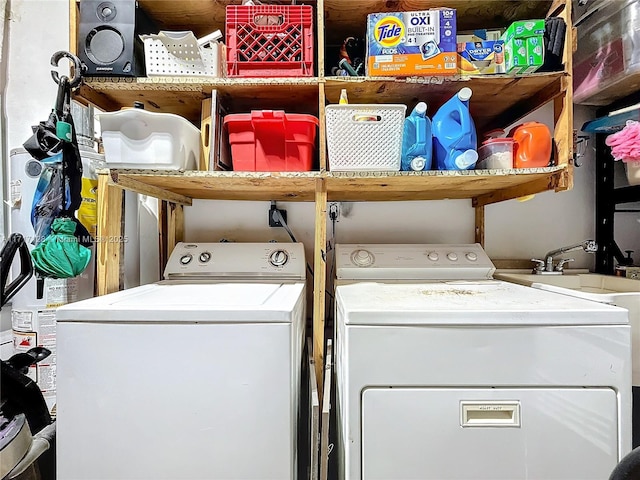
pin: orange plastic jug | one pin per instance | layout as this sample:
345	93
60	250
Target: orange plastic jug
532	145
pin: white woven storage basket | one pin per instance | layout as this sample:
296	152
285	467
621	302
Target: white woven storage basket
181	57
365	137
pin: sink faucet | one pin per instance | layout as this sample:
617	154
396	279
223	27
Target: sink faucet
546	267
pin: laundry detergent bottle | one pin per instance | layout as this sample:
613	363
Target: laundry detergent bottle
417	143
455	142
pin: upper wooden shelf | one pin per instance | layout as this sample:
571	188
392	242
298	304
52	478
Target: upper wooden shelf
483	186
183	95
498	100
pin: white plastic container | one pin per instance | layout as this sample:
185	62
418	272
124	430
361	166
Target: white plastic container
136	138
608	49
178	54
365	137
496	154
633	172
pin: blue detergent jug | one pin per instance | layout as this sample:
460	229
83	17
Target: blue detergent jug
417	144
455	141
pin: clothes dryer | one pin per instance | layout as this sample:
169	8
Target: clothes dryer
443	373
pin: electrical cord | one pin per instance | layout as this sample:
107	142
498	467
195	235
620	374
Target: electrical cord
291	235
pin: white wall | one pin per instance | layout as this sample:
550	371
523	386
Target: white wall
514	229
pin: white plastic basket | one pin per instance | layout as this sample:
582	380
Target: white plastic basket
136	138
177	55
365	137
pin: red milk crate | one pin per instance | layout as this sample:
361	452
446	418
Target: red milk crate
271	141
269	41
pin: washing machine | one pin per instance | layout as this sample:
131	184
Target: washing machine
443	373
193	377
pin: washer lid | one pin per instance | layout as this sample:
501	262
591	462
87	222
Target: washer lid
178	302
489	302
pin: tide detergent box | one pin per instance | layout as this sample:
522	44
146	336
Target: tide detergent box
412	43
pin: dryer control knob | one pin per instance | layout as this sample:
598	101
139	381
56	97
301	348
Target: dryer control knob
278	258
472	257
452	256
362	258
186	259
204	257
433	256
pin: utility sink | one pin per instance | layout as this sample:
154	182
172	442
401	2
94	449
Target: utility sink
592	286
620	291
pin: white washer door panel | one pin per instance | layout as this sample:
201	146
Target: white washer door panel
417	433
168	402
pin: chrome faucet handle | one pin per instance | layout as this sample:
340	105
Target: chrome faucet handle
561	263
539	267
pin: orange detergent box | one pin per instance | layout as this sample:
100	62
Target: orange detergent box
412	43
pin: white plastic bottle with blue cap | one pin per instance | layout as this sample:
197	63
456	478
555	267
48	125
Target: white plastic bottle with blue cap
417	143
455	142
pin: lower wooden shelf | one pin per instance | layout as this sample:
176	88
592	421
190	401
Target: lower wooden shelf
181	187
484	186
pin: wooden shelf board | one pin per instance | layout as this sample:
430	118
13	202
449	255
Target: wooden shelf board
497	100
436	185
181	187
200	16
348	17
286	186
183	95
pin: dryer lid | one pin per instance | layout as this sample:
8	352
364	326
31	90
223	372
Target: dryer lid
489	302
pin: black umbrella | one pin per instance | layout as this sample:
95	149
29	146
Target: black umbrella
58	195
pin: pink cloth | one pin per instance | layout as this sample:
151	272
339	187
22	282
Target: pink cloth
625	144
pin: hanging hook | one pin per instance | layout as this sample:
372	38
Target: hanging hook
77	68
582	143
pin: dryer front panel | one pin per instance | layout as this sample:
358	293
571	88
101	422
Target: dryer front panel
488	433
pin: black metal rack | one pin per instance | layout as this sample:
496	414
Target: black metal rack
608	197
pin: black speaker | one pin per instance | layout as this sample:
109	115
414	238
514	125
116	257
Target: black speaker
108	42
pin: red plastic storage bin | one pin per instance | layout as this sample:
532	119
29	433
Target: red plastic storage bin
269	41
271	141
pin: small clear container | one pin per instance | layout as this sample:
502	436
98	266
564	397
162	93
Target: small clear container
495	154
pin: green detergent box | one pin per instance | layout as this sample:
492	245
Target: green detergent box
524	55
524	29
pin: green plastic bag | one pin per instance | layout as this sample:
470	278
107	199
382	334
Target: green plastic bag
60	255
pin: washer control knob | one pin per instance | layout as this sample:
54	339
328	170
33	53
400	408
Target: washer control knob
278	258
452	256
186	259
472	257
204	257
362	258
433	256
